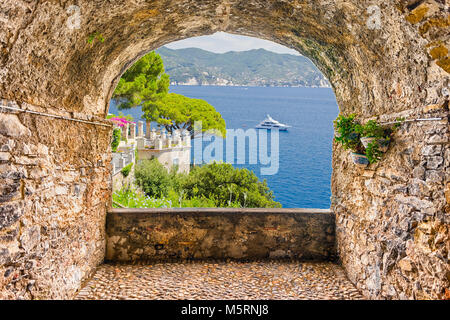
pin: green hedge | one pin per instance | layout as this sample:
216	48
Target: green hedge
117	133
126	170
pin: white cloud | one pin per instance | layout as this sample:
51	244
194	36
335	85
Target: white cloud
221	42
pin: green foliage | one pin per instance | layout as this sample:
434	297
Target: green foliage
227	185
144	83
116	136
131	197
348	132
398	123
178	199
372	130
96	35
373	152
126	170
128	117
175	111
153	178
211	185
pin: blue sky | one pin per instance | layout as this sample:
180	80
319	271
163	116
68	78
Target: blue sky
221	42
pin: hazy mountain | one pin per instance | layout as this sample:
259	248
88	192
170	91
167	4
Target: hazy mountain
192	66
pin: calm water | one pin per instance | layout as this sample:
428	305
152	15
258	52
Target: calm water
303	179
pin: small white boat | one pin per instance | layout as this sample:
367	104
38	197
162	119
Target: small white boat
270	123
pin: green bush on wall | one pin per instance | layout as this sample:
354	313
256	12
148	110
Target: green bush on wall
116	139
350	132
126	170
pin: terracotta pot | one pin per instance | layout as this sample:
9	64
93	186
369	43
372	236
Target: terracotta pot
360	159
366	140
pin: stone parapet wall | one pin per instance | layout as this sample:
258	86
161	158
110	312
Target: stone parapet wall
54	188
194	233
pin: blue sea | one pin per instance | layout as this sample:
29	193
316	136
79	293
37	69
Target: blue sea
303	178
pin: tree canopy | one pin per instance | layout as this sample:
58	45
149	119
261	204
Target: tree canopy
143	83
175	111
146	84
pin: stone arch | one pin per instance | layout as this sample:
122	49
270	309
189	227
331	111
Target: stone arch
384	59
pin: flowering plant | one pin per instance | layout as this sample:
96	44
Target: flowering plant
121	122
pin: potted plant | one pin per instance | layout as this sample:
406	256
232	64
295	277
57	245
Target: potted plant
376	136
374	152
348	135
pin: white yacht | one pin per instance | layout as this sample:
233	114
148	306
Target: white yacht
270	123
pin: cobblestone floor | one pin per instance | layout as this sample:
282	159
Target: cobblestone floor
220	280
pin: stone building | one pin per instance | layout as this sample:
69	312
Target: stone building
170	149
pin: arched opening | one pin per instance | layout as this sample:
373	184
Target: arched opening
384	61
232	77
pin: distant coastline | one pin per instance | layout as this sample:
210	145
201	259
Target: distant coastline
253	68
253	86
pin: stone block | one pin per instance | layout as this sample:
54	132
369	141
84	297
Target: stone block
431	150
405	265
434	176
9	189
434	162
30	238
12	127
4	156
419	188
419	172
9	214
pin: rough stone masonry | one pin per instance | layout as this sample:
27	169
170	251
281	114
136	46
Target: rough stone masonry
220	233
384	59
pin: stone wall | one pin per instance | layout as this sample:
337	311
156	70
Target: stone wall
186	233
119	180
54	187
167	157
393	221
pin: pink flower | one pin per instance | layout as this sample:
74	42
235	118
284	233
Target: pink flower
121	122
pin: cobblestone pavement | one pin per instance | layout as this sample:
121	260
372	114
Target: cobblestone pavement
220	280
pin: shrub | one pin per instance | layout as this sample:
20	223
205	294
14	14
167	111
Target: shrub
211	185
153	178
116	136
228	186
373	152
130	197
348	133
126	170
372	129
178	199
